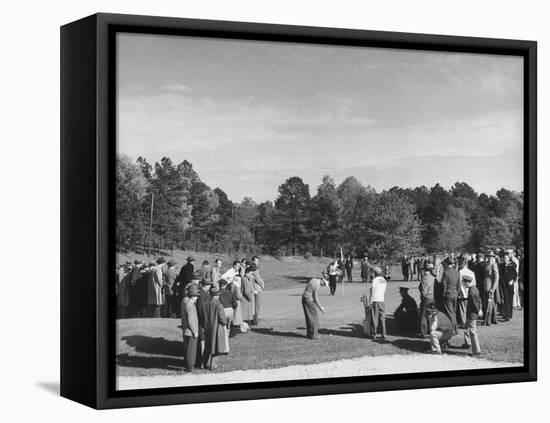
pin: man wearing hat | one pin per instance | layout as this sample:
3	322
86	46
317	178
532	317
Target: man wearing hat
214	321
473	312
186	275
195	281
490	289
467	277
450	281
441	329
377	306
204	299
133	289
155	294
426	289
311	304
172	304
229	302
406	315
215	271
122	290
190	327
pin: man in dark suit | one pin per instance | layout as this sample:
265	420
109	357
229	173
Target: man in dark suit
365	269
450	282
186	275
406	315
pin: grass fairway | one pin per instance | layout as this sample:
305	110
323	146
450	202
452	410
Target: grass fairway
149	347
278	273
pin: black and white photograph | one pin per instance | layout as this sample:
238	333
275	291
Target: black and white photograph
292	211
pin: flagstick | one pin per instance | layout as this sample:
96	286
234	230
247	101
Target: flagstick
344	275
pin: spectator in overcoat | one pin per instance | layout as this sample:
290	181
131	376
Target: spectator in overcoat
426	289
190	327
155	293
214	322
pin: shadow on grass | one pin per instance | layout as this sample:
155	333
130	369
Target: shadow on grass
354	330
415	345
155	346
270	331
163	363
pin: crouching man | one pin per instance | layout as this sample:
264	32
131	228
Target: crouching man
440	327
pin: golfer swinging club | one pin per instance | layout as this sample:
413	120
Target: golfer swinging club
310	303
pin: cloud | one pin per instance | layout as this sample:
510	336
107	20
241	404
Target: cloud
176	88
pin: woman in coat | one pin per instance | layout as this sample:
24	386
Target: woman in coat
247	295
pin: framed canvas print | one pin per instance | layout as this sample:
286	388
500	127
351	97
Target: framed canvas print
254	211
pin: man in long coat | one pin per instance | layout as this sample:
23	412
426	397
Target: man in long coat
490	290
204	299
426	288
215	271
258	286
133	289
171	297
122	292
214	321
155	292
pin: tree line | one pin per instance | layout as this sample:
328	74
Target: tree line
166	205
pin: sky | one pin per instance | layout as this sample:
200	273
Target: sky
250	114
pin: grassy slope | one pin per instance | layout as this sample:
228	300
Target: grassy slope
153	346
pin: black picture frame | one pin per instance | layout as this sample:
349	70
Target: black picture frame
88	53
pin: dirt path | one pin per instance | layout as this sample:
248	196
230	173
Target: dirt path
363	366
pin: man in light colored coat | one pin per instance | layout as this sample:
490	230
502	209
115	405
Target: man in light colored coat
155	293
216	271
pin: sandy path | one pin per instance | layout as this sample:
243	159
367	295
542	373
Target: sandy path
363	366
